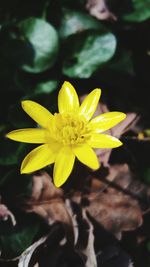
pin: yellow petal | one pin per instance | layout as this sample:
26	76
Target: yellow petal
63	166
87	156
89	104
39	158
104	141
67	98
35	136
106	121
37	112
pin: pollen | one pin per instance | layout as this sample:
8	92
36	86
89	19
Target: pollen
69	129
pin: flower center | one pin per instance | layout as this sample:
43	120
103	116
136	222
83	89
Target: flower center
70	129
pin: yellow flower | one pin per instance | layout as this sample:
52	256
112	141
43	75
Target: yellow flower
68	134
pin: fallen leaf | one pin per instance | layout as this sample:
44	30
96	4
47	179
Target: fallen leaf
47	201
27	254
100	10
117	131
52	250
5	213
43	189
130	184
89	250
84	230
110	200
115	211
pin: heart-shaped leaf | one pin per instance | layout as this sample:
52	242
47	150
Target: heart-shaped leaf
75	22
87	52
40	45
140	11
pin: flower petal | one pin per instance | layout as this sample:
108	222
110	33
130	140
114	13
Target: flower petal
35	136
103	141
37	112
63	166
89	104
39	158
106	121
87	156
67	98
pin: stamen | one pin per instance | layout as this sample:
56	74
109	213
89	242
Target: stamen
70	129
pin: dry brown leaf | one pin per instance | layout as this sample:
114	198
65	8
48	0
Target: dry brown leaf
5	213
47	201
89	250
110	200
115	211
129	183
43	189
33	255
100	10
117	131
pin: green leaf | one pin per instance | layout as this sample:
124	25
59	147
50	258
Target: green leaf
31	85
45	87
75	22
87	52
40	45
16	241
140	12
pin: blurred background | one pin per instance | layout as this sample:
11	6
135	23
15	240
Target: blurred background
91	43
